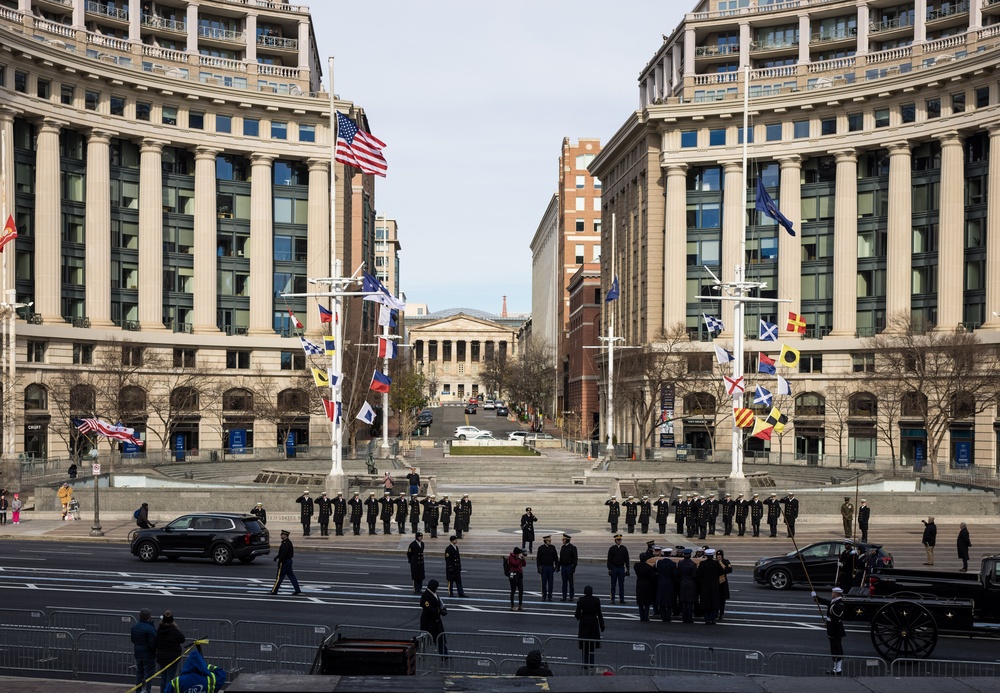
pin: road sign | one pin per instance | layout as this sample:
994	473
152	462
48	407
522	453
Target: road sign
96	469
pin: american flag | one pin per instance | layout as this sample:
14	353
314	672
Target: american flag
359	149
116	431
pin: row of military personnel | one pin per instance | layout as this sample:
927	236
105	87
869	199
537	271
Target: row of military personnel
696	515
372	510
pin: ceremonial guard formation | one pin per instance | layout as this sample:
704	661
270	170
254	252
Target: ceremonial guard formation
445	513
847	514
791	504
631	514
371	512
386	504
645	511
339	514
614	513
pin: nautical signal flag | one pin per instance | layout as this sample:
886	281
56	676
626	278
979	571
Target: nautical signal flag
335	377
331	409
358	148
713	324
9	232
789	356
310	348
743	417
325	315
723	355
777	420
762	429
796	323
768	332
386	348
380	382
367	414
295	320
734	385
784	387
613	292
321	377
329	346
766	205
762	396
765	364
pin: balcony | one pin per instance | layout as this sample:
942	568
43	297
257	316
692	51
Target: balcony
278	42
887	28
81	322
215	33
185	327
34	318
151	21
765	46
713	51
235	330
130	325
947	11
825	37
105	11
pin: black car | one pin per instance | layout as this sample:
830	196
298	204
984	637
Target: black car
218	536
470	408
821	559
502	410
425	418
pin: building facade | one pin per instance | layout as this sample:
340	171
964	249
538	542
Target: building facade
580	377
545	285
168	169
875	128
387	247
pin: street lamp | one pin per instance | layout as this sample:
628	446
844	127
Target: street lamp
96	530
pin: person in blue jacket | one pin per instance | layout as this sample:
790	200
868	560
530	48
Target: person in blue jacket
143	635
197	676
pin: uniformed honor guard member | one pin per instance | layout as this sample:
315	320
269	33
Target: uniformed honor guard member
325	506
339	513
631	514
742	510
568	558
791	512
402	509
680	512
305	511
773	513
662	506
547	560
756	513
691	516
415	557
618	568
847	515
414	515
701	515
864	514
528	521
371	506
357	511
713	512
453	567
431	515
466	513
728	507
834	626
648	553
459	519
284	560
385	512
445	513
257	511
614	512
645	510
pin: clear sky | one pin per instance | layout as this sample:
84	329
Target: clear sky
473	99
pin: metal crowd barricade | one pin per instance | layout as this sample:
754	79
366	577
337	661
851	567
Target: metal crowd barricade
611	653
37	649
708	659
657	671
296	659
105	654
509	667
281	633
425	643
428	663
102	622
24	618
246	657
206	628
491	644
799	664
943	667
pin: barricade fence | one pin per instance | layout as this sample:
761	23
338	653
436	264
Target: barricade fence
280	633
798	664
24	618
943	667
509	667
660	671
494	645
609	653
36	649
710	659
103	622
428	663
105	654
296	659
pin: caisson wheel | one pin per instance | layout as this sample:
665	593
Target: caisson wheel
904	629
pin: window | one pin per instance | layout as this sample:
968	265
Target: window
307	133
705	179
196	120
863	362
597	204
810	363
933	108
581	182
800	129
237	359
703	253
169	115
982	97
595	253
717	138
21	82
908	112
881	117
118	106
185	358
43	89
142	110
580	225
597	225
689	139
91	99
699	363
772	133
131	355
279	131
579	254
251	127
223	123
855	122
958	102
35	352
583	161
293	360
704	215
83	354
739	136
67	94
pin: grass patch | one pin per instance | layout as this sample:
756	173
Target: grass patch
493	451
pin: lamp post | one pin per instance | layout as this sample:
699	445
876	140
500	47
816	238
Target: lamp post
96	530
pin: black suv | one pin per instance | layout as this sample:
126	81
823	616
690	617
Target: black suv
219	536
820	559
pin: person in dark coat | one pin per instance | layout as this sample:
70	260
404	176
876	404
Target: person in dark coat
402	509
143	636
459	510
709	572
645	510
453	567
259	512
646	580
445	513
588	613
305	511
662	506
847	566
742	509
964	544
547	561
466	512
286	552
666	586
728	507
631	514
614	513
339	513
773	513
169	639
568	558
431	611
516	562
357	512
724	594
687	586
413	479
414	514
756	514
385	504
325	506
415	557
618	568
371	512
834	626
534	666
929	539
864	515
528	521
713	512
791	504
680	512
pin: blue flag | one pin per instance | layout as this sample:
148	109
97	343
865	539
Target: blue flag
762	396
766	205
612	292
768	332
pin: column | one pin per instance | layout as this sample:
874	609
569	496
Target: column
192	28
845	246
805	33
744	44
261	246
734	195
318	238
919	21
675	247
151	235
135	22
863	19
24	7
78	14
975	16
951	238
677	58
251	36
97	264
993	233
48	220
206	273
900	234
689	45
789	246
7	193
304	45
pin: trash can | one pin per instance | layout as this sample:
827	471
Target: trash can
214	455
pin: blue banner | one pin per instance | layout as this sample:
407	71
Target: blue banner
238	441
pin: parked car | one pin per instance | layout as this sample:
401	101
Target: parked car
464	432
481	435
489	404
517	436
220	537
474	401
502	410
821	558
470	408
425	418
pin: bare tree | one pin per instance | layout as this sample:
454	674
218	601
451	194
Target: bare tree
407	397
431	381
955	375
175	394
891	392
532	376
495	373
838	403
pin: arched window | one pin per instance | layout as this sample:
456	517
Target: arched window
293	401
913	404
237	399
36	397
862	405
810	404
82	399
131	400
184	399
699	404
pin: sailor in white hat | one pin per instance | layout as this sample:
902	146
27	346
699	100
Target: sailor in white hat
834	626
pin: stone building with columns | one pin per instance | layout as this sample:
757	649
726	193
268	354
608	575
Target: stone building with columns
875	126
168	168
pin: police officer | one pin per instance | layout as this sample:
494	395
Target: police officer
547	560
414	514
864	514
662	506
385	512
402	507
466	513
284	560
756	513
728	507
325	506
773	513
847	515
614	512
357	510
568	559
445	513
631	513
645	510
339	513
791	512
742	510
257	511
371	506
618	568
305	511
713	512
680	511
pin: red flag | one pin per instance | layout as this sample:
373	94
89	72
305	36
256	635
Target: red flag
9	232
325	315
380	382
796	323
331	409
295	320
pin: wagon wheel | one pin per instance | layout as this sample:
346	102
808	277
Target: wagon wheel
904	629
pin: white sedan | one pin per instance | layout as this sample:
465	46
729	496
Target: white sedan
489	404
517	436
464	432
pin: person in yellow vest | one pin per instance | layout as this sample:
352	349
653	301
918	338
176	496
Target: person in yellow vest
65	494
197	676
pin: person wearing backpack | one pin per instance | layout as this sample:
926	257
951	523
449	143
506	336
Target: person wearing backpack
514	569
142	517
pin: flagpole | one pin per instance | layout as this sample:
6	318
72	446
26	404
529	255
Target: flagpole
336	476
385	360
8	352
736	474
611	353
